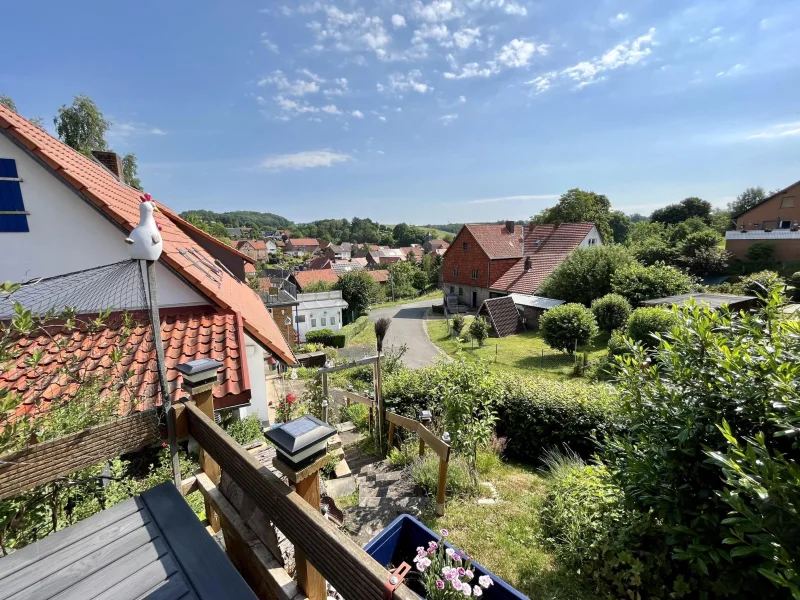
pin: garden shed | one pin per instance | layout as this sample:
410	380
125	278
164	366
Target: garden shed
531	308
502	315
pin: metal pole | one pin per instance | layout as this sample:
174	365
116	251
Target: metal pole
169	411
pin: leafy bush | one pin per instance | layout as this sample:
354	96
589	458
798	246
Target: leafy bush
760	284
357	413
585	275
707	261
699	240
246	430
403	455
479	330
584	521
723	385
637	282
457	324
655	250
644	322
567	327
326	337
539	414
761	252
425	474
359	290
611	312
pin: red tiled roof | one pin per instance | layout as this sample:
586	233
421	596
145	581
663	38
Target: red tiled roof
187	334
249	269
417	251
302	242
304	278
321	262
438	243
497	241
379	275
556	242
362	260
186	226
120	203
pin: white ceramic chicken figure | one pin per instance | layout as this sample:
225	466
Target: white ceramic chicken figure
146	238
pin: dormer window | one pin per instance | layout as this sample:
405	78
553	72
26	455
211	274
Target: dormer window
13	216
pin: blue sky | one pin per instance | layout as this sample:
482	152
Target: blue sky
425	111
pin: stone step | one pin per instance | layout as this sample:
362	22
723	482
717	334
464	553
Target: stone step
407	504
346	426
342	470
334	443
338	453
393	491
344	486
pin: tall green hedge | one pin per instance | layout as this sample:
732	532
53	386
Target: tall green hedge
326	337
353	329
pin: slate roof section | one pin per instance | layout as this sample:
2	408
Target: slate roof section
546	247
187	334
535	301
120	204
712	300
503	315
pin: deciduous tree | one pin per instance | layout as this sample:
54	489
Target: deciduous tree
82	125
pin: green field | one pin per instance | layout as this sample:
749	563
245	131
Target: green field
524	353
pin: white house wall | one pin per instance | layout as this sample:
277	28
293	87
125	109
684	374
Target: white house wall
304	327
67	234
258	379
592	235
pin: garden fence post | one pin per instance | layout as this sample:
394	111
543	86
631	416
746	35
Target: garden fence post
421	447
441	487
391	436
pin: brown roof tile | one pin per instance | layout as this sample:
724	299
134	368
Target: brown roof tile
304	278
503	315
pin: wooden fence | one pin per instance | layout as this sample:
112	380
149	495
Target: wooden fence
426	436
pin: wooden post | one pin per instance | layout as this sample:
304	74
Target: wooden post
441	487
391	435
306	484
421	447
371	418
155	322
325	384
205	402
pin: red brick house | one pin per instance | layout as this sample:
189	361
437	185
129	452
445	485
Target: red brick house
255	249
488	261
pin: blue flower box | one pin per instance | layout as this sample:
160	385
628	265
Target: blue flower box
398	543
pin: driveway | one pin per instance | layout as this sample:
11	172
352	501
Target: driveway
408	327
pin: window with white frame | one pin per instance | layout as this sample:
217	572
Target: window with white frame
333	320
323	321
301	318
313	322
455	271
592	241
474	273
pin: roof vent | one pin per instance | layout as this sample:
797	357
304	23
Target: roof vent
510	226
527	263
110	160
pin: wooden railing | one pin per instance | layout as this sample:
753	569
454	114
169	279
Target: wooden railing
426	436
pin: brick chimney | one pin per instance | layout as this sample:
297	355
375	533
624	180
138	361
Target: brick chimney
110	160
510	225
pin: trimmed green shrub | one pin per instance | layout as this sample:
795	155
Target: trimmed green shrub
567	327
707	261
611	312
655	250
761	252
621	553
539	414
479	330
326	337
457	324
644	322
638	283
699	240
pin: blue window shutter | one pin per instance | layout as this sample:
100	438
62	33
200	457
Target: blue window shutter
11	199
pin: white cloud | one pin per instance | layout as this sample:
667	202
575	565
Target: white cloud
433	31
514	199
298	87
331	109
781	130
271	46
447	119
462	99
340	89
620	18
507	6
348	31
468	71
716	30
518	53
625	54
464	38
398	21
309	159
400	83
732	71
357	114
157	131
381	118
542	83
292	106
121	131
311	76
438	10
765	23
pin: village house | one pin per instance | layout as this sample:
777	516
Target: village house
65	213
775	220
488	261
319	310
301	246
255	249
432	245
343	251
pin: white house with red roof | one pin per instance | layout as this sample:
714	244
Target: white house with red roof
491	260
62	212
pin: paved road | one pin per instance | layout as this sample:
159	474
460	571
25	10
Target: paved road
408	327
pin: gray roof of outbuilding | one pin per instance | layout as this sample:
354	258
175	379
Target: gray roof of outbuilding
713	300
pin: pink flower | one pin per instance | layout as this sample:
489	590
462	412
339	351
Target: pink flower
439	584
420	553
485	581
477	591
450	552
466	590
469	574
420	549
450	575
444	533
461	571
457	585
456	557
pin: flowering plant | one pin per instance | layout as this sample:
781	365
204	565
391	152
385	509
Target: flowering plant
285	407
446	573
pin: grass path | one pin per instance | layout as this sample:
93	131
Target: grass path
520	353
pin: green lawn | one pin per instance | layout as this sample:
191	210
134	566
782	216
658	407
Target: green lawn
505	537
520	353
366	337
